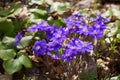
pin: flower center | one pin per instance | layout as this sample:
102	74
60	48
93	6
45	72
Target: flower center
80	26
60	32
84	45
95	32
38	48
58	36
67	54
85	30
72	47
76	42
98	26
45	24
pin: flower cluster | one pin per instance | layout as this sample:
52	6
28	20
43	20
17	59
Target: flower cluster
82	25
74	47
67	42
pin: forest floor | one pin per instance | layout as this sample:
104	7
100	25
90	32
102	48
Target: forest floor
109	66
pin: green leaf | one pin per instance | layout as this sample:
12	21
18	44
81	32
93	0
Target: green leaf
59	7
8	41
58	22
107	13
7	54
117	23
114	78
33	19
38	13
118	36
12	66
89	75
116	13
24	41
2	46
112	12
7	28
113	29
24	59
39	2
16	12
84	11
9	10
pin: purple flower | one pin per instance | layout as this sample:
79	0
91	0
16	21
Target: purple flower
42	26
95	33
50	31
53	46
39	48
76	23
86	46
73	44
55	56
75	18
59	35
75	47
33	28
71	49
99	18
17	39
67	40
67	56
82	29
99	25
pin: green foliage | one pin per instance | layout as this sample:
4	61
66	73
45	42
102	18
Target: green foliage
13	65
7	54
59	7
24	42
37	15
38	2
11	23
12	61
114	78
58	22
12	11
114	29
112	12
84	11
24	60
88	75
6	28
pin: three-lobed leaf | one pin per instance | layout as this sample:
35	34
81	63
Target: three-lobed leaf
13	65
7	54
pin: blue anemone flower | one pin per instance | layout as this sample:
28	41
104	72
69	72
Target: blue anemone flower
86	46
59	35
39	48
